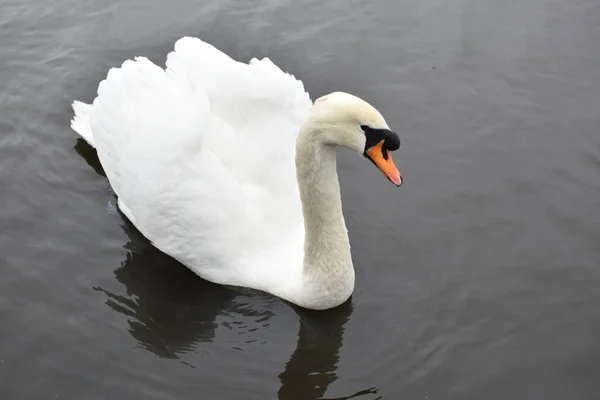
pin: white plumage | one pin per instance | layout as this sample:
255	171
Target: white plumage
201	157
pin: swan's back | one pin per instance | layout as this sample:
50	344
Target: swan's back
201	157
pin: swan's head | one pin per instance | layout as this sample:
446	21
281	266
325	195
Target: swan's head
349	121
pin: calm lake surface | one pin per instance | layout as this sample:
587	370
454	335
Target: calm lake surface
478	279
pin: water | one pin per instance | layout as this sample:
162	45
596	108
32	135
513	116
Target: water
478	279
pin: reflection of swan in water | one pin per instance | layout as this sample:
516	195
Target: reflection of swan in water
311	368
170	311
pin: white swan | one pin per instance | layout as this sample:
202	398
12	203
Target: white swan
201	156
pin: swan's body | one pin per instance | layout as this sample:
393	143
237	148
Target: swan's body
230	169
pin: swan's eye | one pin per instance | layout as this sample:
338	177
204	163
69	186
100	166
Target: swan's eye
374	136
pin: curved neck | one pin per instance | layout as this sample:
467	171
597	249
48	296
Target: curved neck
328	270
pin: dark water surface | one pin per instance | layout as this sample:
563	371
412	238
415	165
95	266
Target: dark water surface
478	279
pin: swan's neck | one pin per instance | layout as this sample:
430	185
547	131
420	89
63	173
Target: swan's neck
328	273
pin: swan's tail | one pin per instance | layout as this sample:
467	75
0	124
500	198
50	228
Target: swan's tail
81	121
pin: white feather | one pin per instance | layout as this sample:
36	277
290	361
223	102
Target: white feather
201	156
81	121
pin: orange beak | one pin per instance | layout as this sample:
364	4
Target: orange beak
382	158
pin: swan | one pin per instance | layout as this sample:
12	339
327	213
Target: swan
230	168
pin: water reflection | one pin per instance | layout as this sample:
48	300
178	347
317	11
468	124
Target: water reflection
88	153
311	368
170	310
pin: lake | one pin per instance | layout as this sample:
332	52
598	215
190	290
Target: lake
478	279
